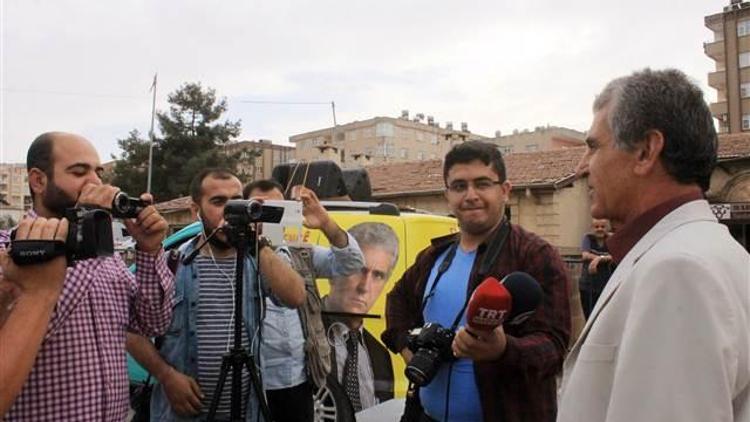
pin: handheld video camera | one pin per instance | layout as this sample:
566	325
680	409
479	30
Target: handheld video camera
239	212
124	206
89	234
431	345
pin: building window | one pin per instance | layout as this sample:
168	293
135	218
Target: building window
746	122
744	59
384	129
745	89
420	156
532	147
743	28
404	153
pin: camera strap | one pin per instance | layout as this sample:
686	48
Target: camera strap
488	260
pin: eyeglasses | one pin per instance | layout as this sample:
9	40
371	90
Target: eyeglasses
480	185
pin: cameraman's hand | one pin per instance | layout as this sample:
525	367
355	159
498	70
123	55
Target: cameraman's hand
486	346
98	195
183	393
315	216
43	280
149	229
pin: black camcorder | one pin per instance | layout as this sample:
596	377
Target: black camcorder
239	212
431	345
89	234
124	206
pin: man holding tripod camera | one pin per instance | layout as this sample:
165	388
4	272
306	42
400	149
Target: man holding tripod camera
79	371
506	374
187	364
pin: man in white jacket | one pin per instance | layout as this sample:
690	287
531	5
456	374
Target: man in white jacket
669	338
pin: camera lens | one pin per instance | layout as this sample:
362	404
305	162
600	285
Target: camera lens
423	366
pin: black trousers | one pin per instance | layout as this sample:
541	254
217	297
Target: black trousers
293	404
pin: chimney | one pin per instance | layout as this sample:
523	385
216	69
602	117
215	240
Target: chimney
361	160
329	152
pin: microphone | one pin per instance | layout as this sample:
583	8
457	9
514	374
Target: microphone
493	302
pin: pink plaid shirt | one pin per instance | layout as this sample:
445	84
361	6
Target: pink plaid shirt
80	373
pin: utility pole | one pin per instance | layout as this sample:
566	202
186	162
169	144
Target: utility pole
151	135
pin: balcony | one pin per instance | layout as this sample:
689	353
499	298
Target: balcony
714	50
718	80
718	109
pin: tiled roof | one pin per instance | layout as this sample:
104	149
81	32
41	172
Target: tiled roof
542	168
175	204
736	145
530	169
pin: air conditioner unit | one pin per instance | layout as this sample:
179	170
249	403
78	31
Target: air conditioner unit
430	120
449	125
405	114
464	127
420	117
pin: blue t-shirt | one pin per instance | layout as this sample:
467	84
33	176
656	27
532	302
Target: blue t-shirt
442	307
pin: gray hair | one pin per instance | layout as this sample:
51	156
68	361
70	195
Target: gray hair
667	101
377	235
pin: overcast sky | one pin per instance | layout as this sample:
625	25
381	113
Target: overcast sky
86	66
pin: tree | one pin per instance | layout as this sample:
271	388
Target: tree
192	138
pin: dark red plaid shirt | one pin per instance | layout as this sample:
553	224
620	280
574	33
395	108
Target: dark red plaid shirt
521	385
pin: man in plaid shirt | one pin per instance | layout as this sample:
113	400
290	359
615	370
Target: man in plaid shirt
80	371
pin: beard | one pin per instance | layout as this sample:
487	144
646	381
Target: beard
215	241
56	200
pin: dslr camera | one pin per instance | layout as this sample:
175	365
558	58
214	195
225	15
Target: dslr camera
89	234
431	345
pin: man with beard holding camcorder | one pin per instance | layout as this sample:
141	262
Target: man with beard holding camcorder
79	372
188	361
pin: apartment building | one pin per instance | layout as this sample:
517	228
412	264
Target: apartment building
730	50
542	138
258	158
382	140
14	189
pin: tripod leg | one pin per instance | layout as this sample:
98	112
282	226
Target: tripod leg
225	362
258	387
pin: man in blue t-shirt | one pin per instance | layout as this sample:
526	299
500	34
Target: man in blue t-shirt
507	374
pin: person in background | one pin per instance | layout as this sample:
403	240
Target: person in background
597	264
291	351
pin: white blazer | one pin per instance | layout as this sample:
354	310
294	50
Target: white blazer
669	338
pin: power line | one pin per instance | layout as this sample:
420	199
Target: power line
284	102
68	93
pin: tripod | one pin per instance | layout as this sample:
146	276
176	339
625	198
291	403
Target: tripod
240	236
